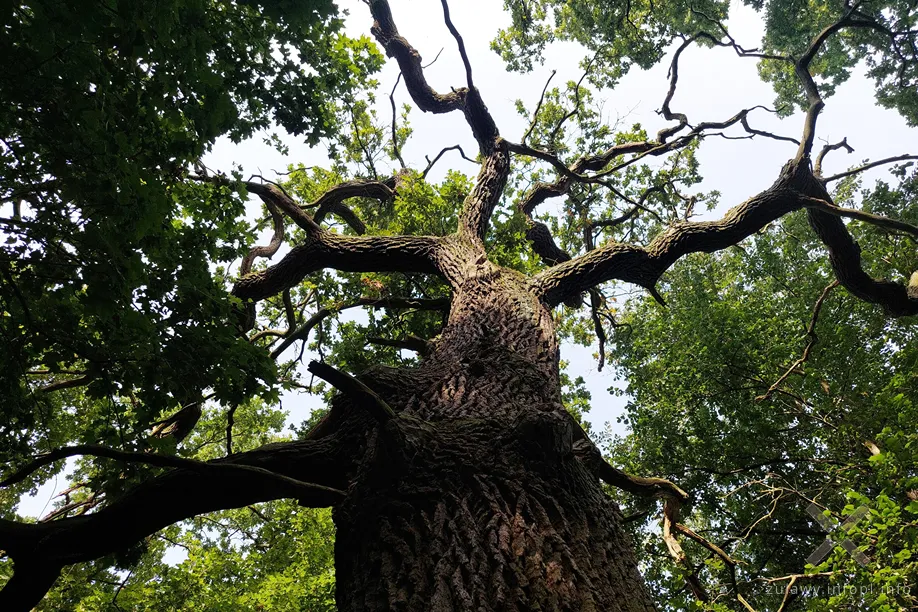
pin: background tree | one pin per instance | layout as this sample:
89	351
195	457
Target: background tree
460	478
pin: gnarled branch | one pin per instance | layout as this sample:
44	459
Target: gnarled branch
465	99
346	253
796	189
274	471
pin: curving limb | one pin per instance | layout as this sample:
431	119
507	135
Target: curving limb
868	166
479	205
644	265
796	189
826	149
267	251
432	162
311	471
332	201
825	206
346	253
852	18
465	99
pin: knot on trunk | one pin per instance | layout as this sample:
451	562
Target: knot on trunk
544	436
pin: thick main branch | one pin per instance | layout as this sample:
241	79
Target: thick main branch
346	253
239	480
796	189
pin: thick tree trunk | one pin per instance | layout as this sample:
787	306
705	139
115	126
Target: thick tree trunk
473	499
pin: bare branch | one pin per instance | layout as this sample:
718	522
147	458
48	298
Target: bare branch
596	302
673	79
353	388
714	548
868	166
802	69
817	165
430	164
813	339
459	43
465	99
395	147
535	114
754	132
267	251
576	109
670	520
659	488
640	149
544	244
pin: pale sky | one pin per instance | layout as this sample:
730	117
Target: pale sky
714	84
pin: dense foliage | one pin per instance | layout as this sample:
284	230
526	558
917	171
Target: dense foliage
839	430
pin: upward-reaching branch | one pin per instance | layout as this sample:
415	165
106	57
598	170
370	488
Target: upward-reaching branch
476	214
465	99
851	19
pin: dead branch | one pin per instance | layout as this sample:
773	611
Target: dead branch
843	144
395	147
430	164
868	166
813	339
353	388
535	113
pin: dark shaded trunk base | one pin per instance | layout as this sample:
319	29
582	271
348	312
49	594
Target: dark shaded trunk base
482	514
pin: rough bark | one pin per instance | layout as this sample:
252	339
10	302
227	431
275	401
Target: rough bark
473	498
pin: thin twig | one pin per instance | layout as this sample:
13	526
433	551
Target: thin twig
535	114
811	334
395	147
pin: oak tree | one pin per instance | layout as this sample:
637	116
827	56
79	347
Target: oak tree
462	478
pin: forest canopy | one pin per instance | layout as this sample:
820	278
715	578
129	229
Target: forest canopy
155	309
